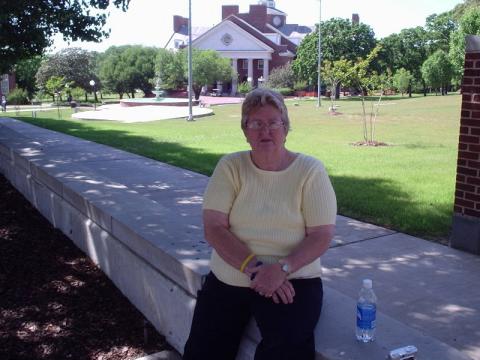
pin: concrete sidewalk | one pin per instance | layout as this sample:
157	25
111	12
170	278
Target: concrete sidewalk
428	293
429	288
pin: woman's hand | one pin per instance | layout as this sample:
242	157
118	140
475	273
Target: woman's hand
284	293
268	278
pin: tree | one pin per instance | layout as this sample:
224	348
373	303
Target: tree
55	85
124	69
439	28
340	39
335	73
281	77
76	65
207	67
402	80
25	71
343	39
366	81
305	66
408	50
380	82
170	68
437	71
460	9
111	71
27	27
140	61
469	25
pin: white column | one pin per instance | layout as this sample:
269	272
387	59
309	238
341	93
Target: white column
235	77
265	69
250	71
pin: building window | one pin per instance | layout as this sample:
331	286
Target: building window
244	64
260	65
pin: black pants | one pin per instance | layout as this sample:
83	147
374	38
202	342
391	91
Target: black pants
223	311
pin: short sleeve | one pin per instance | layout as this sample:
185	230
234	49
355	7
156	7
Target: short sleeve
319	203
221	189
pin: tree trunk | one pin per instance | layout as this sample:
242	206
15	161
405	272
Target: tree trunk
365	133
375	117
133	94
196	91
409	90
86	96
371	121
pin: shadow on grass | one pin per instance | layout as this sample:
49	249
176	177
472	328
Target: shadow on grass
384	98
414	146
383	202
377	201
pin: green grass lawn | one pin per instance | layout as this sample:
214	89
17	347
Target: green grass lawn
407	186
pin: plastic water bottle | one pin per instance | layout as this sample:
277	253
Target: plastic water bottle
366	313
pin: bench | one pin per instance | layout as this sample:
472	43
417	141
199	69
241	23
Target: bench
215	92
140	221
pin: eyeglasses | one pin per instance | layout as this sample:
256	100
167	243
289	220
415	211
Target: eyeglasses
257	125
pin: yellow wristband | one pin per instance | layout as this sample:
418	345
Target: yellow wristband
246	261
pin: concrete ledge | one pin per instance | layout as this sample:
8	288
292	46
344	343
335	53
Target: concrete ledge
140	221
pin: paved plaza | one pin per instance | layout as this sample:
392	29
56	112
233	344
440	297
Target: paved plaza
116	112
137	114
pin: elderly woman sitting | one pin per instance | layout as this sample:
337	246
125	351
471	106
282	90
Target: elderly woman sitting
269	214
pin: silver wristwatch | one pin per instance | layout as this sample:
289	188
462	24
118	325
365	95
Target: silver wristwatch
284	266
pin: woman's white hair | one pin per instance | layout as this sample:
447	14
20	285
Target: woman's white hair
260	97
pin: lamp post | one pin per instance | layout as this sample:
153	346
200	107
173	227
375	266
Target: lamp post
190	87
319	103
92	84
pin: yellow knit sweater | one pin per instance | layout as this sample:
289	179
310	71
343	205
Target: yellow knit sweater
269	210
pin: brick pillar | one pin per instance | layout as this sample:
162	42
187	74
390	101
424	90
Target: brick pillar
466	217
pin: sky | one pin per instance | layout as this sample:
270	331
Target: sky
150	22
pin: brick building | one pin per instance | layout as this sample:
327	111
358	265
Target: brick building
7	84
256	42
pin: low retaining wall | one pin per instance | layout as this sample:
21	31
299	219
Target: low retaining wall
140	221
146	236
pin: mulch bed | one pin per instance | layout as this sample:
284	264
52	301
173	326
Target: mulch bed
54	302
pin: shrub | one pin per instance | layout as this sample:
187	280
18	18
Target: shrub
300	85
18	96
281	77
244	87
77	93
285	91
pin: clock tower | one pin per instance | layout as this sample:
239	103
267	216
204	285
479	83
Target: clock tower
275	17
267	3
